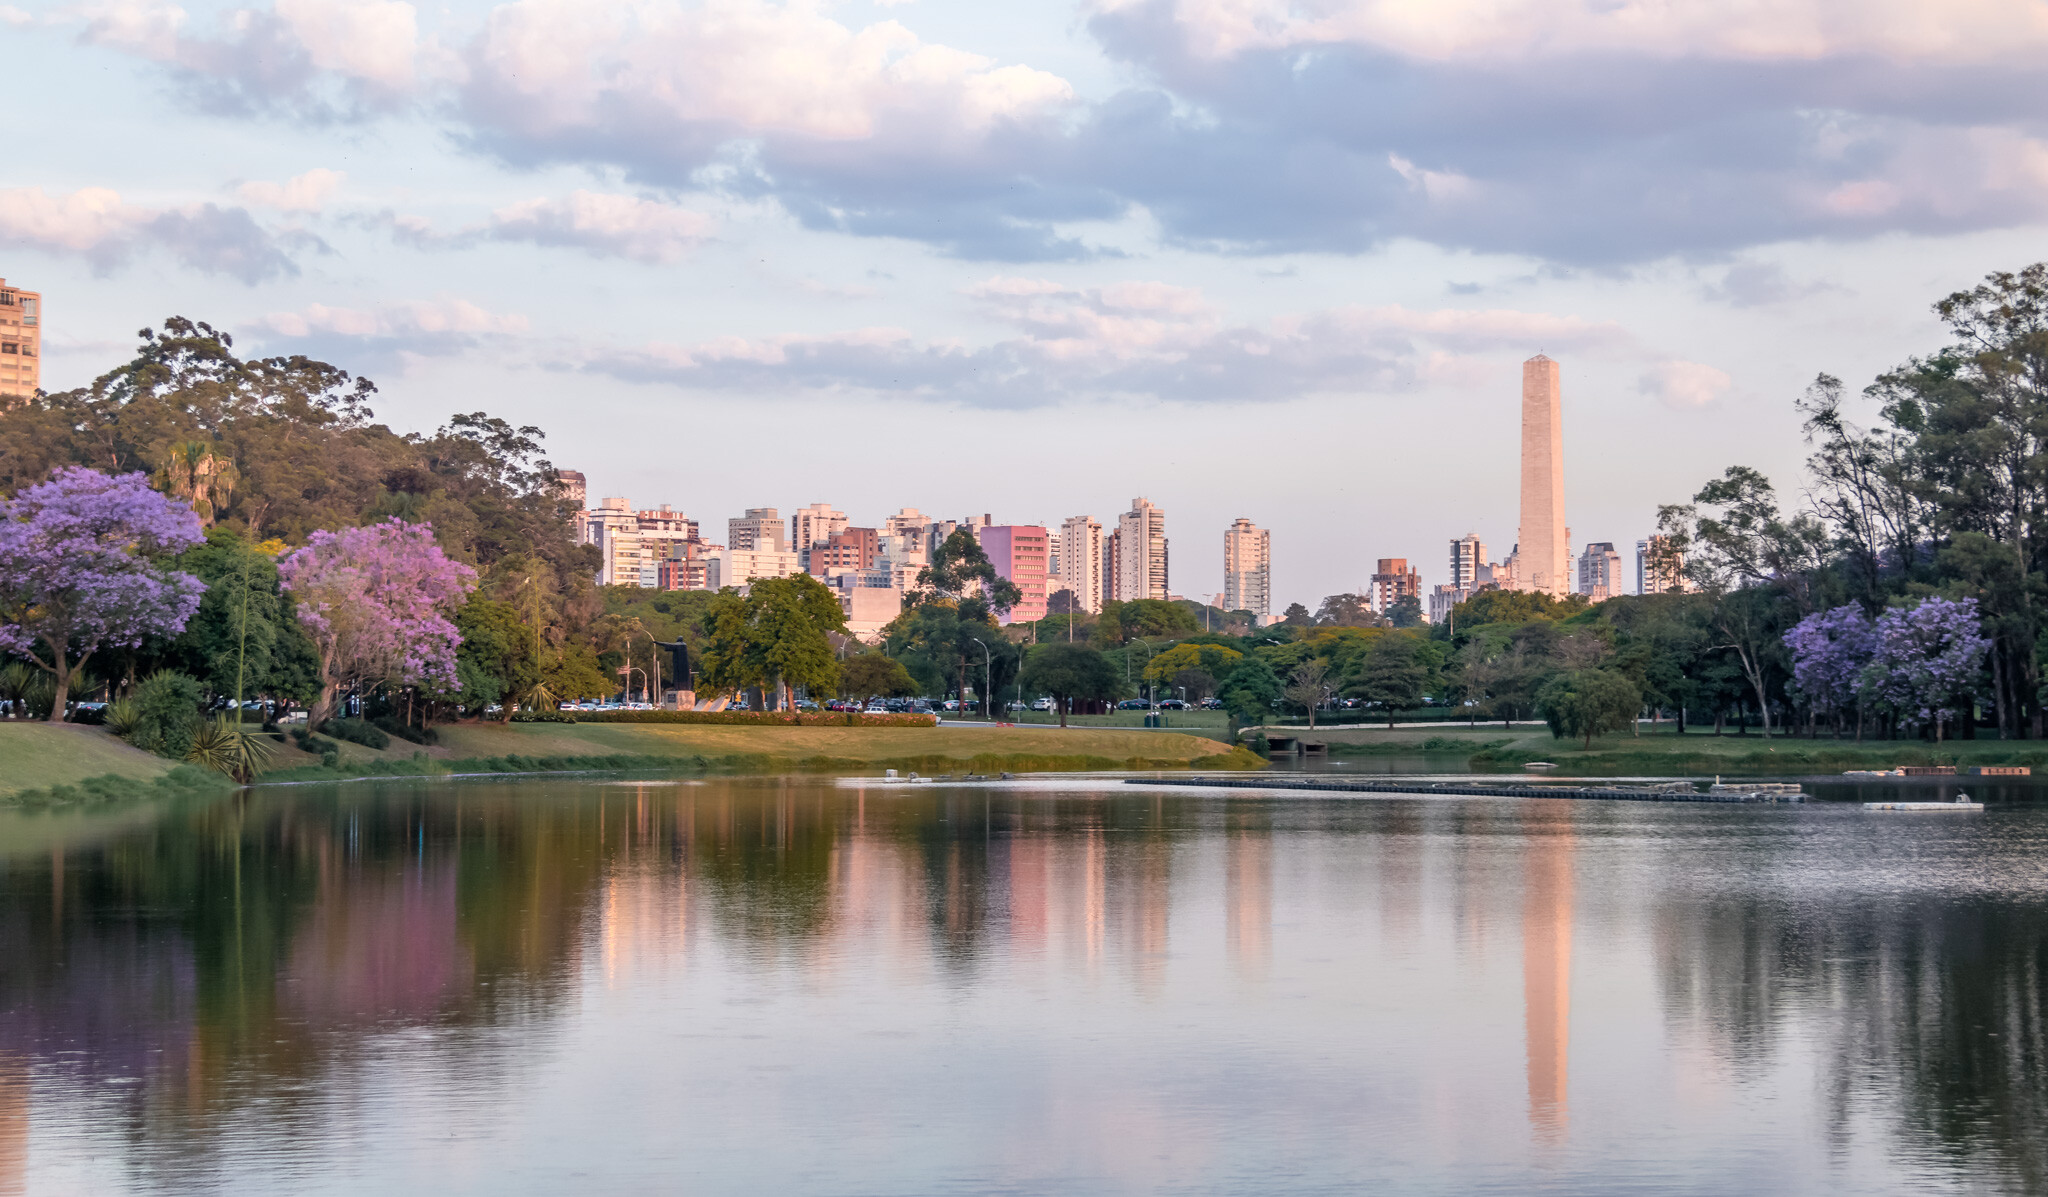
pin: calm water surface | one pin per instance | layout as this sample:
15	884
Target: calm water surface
810	986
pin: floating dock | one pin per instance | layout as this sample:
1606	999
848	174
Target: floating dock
1762	792
1964	807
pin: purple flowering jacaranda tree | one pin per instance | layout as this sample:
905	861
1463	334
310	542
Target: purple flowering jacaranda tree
376	602
77	570
1925	658
1830	650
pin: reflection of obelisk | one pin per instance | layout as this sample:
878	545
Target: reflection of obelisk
1543	554
1547	975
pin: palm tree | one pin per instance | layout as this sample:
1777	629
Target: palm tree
194	472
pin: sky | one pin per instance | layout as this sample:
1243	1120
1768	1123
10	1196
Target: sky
1247	258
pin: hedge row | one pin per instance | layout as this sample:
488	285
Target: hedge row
750	718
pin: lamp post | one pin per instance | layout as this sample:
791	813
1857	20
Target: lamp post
988	673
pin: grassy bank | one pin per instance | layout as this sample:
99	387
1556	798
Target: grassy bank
1661	750
35	756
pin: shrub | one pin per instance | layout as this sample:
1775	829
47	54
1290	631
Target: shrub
404	731
166	714
356	731
226	747
123	717
543	717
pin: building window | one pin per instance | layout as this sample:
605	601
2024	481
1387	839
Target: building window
9	347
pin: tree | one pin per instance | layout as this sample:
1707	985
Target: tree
1347	611
1214	659
1251	691
76	574
1297	616
196	473
875	675
571	673
961	571
499	660
774	638
1925	660
1070	673
1392	676
274	657
1589	702
1830	651
1406	612
1064	602
1309	687
376	602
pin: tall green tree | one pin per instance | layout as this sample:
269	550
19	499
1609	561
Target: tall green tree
1589	702
499	661
1070	673
1392	675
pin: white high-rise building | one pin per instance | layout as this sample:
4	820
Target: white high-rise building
1600	573
1081	560
759	529
815	524
1247	569
737	567
1141	567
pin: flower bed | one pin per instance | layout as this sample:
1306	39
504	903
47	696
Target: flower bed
758	718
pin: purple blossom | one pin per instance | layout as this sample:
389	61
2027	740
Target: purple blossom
1830	650
376	602
1925	658
77	574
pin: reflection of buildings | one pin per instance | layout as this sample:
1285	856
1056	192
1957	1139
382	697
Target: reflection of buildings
13	1125
1248	895
1547	975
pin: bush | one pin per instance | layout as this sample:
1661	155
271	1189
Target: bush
404	731
733	718
542	717
356	731
166	714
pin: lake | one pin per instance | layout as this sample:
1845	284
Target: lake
820	985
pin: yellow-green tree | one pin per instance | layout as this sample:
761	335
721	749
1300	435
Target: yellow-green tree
195	472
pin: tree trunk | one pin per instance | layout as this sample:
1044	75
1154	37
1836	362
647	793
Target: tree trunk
62	674
1061	703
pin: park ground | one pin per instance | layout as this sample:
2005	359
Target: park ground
34	756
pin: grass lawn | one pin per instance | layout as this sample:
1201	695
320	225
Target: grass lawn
36	755
854	745
1200	723
1660	749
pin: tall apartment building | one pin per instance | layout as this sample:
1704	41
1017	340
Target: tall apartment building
572	488
1660	569
814	525
848	548
1469	571
1112	564
1600	576
1019	552
759	530
21	343
737	567
1141	547
1394	581
1248	569
632	544
687	566
1080	569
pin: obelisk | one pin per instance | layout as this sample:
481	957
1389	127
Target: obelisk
1545	554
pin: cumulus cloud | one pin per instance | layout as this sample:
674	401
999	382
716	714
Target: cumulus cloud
95	223
394	333
1684	385
318	58
604	226
1146	340
301	193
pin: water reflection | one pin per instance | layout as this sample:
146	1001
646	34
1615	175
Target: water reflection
886	989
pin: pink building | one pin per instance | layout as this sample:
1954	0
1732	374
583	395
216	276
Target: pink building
1020	553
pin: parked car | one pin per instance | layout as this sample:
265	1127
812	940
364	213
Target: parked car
1133	704
1041	704
876	708
1173	704
1212	704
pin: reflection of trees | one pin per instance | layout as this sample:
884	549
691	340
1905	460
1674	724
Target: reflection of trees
1940	1008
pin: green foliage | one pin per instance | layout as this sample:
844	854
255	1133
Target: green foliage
960	571
741	718
1392	674
228	748
241	580
500	658
357	731
181	782
1589	702
167	714
124	715
1511	607
28	690
1070	673
875	675
1213	659
941	644
571	673
1252	691
776	636
1406	612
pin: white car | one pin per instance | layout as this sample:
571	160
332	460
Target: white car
876	708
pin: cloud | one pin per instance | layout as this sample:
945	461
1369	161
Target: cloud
1684	385
392	334
301	193
603	226
1143	340
95	223
1757	284
320	59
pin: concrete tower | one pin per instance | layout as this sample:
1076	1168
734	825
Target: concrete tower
1544	560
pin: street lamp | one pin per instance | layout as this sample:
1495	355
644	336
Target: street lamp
988	672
